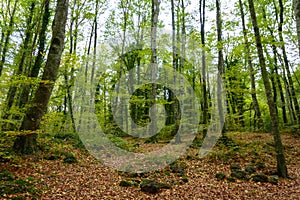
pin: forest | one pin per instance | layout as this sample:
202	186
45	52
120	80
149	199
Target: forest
149	99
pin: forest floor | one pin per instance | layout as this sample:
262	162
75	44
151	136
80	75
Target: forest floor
52	174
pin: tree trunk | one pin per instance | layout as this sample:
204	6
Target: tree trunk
281	165
251	70
26	143
220	66
286	62
275	67
7	37
203	61
297	16
11	95
154	25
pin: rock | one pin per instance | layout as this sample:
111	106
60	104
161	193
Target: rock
150	186
235	167
124	183
220	176
241	175
153	187
185	179
230	179
52	157
260	178
274	179
250	169
260	165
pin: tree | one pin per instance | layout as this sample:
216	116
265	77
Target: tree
203	59
220	64
286	62
281	165
251	70
26	143
11	95
153	61
297	15
6	39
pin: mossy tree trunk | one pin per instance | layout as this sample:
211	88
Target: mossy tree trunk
27	143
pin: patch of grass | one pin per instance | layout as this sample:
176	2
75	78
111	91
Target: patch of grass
17	186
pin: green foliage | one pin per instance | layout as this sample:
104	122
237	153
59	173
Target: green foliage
71	138
11	184
6	176
121	143
70	159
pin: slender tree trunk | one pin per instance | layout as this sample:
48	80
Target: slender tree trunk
275	72
272	78
26	143
12	92
69	76
286	62
34	71
251	70
203	61
154	24
175	36
289	100
7	38
297	16
281	165
220	65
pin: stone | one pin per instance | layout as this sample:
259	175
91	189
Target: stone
260	178
250	169
241	175
235	167
220	176
274	179
150	186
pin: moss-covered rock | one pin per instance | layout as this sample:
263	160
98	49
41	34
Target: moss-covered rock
125	183
220	176
235	167
260	178
239	174
250	169
274	179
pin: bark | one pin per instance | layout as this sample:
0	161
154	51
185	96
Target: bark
286	62
34	71
297	16
220	65
11	95
203	61
42	95
7	37
281	165
275	73
154	24
251	70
